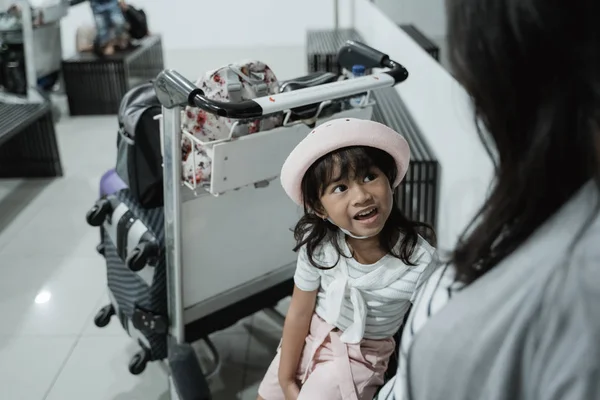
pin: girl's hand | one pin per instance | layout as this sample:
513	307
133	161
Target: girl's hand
295	330
291	391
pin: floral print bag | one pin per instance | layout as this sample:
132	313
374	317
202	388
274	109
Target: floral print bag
237	82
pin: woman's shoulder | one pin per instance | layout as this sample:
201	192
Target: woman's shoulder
424	254
425	247
574	284
566	326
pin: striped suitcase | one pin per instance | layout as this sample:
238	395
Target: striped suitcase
133	243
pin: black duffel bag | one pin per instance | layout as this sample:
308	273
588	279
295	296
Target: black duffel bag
139	159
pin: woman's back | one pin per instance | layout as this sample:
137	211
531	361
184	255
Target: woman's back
542	340
521	318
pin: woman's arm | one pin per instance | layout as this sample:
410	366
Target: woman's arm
295	330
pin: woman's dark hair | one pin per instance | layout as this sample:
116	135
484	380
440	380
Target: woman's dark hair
532	70
355	161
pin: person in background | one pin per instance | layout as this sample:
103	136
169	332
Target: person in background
110	26
136	25
515	314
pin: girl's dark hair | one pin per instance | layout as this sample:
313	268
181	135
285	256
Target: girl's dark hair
355	161
532	70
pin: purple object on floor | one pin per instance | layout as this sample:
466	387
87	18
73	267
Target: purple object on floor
111	183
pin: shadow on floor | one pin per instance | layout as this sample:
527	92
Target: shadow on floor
19	198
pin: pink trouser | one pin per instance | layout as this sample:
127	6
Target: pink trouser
330	369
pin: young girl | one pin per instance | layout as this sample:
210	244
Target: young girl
360	262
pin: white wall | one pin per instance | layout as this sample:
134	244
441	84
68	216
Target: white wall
200	24
428	15
443	112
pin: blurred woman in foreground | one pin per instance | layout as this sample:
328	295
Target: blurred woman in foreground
515	314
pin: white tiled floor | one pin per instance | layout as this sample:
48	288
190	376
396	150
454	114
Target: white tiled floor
53	283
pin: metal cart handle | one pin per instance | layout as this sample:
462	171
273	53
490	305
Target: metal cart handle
172	89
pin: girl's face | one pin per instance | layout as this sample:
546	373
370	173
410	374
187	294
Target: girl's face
360	204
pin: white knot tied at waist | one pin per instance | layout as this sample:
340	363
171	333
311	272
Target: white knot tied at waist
379	278
334	298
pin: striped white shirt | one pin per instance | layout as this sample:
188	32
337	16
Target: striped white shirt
363	301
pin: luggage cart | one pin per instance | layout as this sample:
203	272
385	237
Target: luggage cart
38	33
226	243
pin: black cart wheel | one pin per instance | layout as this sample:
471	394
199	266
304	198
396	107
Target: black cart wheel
103	316
100	249
138	362
141	255
97	214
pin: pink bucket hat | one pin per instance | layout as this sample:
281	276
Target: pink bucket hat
334	135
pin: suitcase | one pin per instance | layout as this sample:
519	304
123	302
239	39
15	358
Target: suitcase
133	243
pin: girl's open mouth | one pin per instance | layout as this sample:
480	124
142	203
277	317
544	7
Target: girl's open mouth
366	214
